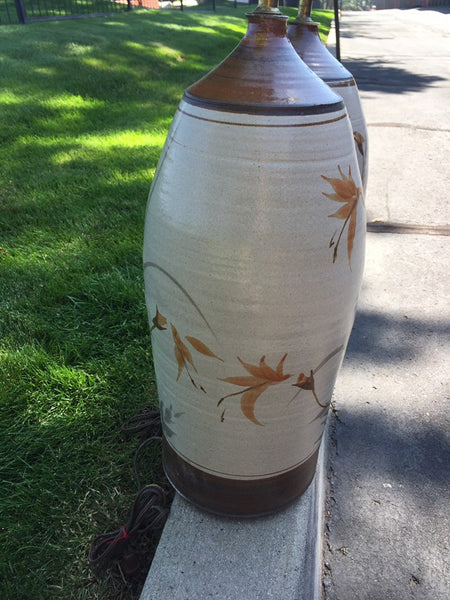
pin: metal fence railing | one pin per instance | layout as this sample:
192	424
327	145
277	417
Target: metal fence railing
24	11
7	12
386	4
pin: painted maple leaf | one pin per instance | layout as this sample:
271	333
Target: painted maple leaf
261	377
346	192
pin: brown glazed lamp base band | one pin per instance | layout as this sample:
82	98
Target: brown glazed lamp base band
235	497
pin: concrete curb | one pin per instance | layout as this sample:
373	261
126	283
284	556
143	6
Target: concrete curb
277	557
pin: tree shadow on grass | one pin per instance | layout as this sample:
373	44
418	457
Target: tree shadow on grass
84	121
86	114
85	109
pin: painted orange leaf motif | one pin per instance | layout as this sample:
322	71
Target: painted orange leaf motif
261	377
159	322
183	356
359	141
201	347
346	192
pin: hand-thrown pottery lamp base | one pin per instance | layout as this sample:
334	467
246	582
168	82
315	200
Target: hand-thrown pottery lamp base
253	258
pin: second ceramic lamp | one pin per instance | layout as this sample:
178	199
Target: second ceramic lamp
304	36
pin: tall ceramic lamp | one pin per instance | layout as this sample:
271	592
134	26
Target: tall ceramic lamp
304	36
253	257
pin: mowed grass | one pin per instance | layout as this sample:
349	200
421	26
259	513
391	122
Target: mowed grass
85	109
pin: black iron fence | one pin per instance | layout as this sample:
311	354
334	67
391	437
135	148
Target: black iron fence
386	4
24	11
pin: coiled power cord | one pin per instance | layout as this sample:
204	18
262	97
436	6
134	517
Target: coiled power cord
124	548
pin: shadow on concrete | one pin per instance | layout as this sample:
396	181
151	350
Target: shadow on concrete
445	10
391	474
409	446
384	339
408	450
372	75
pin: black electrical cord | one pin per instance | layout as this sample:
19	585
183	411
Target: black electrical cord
146	421
148	513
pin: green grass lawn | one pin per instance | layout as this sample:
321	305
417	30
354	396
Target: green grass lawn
85	108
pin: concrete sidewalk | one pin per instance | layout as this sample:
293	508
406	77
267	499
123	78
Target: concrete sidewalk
387	465
387	515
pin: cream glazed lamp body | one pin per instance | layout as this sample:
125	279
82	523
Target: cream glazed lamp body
304	36
253	258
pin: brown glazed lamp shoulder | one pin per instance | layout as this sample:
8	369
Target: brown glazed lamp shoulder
263	74
250	291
